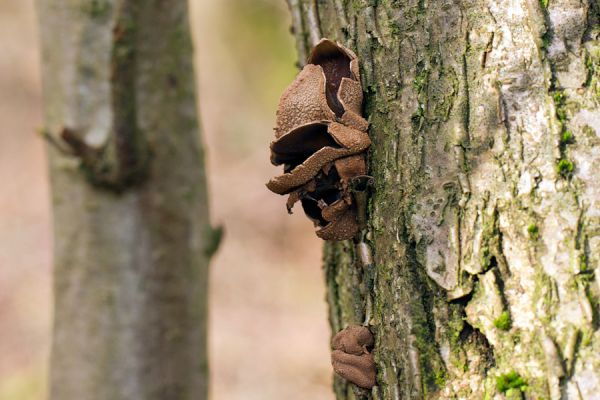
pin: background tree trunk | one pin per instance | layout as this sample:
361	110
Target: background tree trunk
131	224
485	216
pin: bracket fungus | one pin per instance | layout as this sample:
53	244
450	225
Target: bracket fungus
351	358
321	140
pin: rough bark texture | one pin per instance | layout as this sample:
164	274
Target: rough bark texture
131	226
485	217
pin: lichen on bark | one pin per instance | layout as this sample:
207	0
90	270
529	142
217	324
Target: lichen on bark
485	127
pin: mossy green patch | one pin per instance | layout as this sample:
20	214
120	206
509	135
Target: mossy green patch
510	380
503	321
559	97
534	231
565	167
357	5
589	67
567	137
583	264
546	40
421	79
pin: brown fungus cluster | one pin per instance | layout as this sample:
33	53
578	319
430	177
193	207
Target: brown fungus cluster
321	140
351	358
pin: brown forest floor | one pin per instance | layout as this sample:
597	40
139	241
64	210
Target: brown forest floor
268	328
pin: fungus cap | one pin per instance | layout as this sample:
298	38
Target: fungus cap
304	101
359	370
343	228
355	339
328	141
351	358
327	87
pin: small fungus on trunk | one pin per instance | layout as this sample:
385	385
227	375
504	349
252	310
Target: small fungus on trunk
351	358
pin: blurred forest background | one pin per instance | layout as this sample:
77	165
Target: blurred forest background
268	322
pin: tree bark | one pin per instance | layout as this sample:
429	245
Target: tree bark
484	220
131	223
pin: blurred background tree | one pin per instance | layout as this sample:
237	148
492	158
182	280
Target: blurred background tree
132	237
484	222
266	291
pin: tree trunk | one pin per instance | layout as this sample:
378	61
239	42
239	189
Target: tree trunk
484	220
131	225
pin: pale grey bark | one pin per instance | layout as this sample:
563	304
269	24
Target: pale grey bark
485	218
131	224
